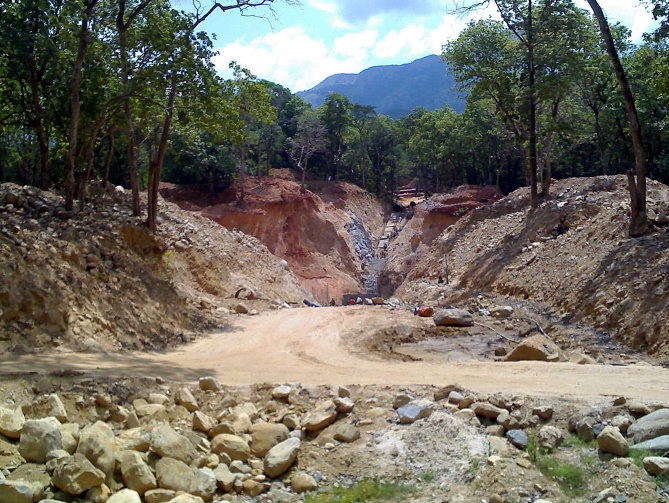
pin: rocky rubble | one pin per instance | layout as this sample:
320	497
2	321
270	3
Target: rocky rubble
136	441
77	279
573	254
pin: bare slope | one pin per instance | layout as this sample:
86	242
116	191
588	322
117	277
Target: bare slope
573	253
320	232
97	279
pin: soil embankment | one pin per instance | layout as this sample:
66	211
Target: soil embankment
324	233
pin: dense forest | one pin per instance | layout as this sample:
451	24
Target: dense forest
125	91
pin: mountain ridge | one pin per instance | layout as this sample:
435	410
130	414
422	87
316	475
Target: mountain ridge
395	90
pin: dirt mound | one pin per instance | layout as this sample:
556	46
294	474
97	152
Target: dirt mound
97	280
320	232
572	253
428	221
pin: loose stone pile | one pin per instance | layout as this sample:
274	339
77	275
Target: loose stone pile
114	443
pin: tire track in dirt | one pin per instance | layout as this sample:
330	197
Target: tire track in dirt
322	346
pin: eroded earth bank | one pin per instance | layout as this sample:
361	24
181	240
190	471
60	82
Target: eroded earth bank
186	366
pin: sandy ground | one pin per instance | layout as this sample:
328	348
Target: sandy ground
323	346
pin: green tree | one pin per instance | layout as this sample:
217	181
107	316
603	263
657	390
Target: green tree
311	138
336	116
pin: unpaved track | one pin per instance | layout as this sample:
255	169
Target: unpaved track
322	346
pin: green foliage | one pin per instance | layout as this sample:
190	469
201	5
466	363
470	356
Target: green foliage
368	490
572	477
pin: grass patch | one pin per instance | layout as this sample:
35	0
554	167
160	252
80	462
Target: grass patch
367	490
638	454
573	441
571	477
428	476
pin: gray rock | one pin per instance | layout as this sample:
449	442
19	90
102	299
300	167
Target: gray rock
550	437
612	441
281	392
125	496
343	405
280	457
659	445
517	438
136	473
32	474
446	391
174	474
650	426
75	474
545	412
656	465
204	484
168	443
11	422
452	318
186	498
158	399
232	445
38	437
622	422
414	411
225	479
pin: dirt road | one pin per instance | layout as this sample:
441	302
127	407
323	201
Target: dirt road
322	346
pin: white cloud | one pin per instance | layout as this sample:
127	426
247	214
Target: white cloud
324	6
296	60
409	40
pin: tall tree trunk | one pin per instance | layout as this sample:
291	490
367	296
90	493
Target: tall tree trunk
242	171
639	224
532	143
41	135
76	105
108	158
600	140
156	167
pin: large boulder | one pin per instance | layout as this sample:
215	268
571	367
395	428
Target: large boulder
75	474
174	474
659	445
232	445
225	479
656	465
204	484
280	457
650	426
11	422
56	408
38	437
612	441
167	443
185	398
452	318
264	436
537	347
19	491
136	473
322	417
96	443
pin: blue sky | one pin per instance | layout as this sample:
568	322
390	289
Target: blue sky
298	46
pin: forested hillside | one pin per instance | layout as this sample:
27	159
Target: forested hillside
96	90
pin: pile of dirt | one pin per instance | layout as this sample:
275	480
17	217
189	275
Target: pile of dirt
96	279
573	253
320	231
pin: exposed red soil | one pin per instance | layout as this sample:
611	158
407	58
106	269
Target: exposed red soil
305	227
